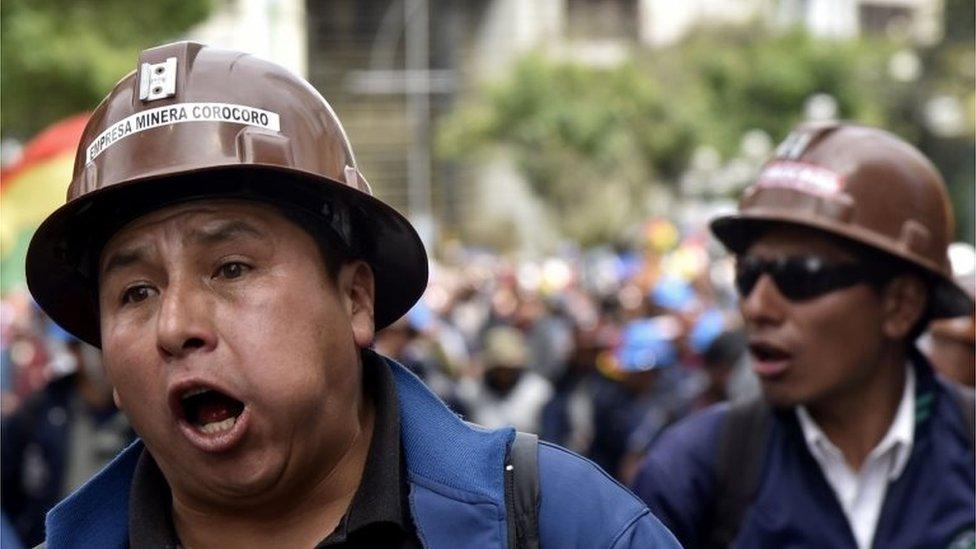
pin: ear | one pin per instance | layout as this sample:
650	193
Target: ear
117	399
903	301
358	291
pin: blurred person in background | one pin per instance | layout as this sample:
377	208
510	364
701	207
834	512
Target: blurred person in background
951	342
509	391
412	341
567	418
724	361
25	353
644	390
841	262
59	437
548	335
672	295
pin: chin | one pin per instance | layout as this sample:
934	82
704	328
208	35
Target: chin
237	478
780	397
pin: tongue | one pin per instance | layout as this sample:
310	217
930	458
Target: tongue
216	408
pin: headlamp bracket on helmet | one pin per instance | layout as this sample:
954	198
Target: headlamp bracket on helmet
157	80
294	155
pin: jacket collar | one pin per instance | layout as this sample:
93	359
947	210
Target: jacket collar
477	458
96	515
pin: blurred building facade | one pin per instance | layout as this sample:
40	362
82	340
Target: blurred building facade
392	68
271	29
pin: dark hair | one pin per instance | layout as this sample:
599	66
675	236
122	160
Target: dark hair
884	268
334	249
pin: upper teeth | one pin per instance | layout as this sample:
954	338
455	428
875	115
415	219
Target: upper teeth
194	392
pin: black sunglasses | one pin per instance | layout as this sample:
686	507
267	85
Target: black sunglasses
799	277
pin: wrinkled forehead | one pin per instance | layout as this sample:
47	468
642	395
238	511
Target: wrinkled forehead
198	217
778	240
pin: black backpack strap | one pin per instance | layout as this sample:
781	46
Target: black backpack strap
522	491
738	465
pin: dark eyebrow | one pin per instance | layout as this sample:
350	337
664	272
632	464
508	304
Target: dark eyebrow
206	236
223	232
124	258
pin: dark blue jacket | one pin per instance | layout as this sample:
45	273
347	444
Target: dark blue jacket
35	454
456	490
931	504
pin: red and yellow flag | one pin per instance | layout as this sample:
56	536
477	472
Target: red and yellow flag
32	188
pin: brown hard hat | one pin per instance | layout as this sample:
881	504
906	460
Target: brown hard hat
862	184
196	122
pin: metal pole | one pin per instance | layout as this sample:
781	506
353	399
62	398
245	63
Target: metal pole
418	110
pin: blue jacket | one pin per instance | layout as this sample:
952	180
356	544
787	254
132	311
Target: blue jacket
456	489
931	504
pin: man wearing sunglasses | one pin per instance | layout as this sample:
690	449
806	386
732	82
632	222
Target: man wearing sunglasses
840	264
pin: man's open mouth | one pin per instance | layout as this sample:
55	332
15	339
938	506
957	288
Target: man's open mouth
768	353
209	410
770	361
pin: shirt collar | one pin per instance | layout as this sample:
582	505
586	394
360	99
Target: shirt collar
899	438
382	494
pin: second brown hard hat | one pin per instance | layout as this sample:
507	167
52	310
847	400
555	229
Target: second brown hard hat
864	185
195	122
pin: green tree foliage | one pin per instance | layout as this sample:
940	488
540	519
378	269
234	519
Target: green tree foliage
749	80
60	57
582	137
950	71
592	140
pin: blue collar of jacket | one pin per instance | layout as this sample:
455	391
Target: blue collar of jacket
455	469
928	505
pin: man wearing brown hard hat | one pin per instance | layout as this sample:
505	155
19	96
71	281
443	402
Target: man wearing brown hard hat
222	247
841	263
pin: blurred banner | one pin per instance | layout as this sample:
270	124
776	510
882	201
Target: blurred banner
33	187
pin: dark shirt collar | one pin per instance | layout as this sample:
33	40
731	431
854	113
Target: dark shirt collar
380	499
150	507
382	494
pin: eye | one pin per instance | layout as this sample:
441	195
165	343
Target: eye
135	294
231	270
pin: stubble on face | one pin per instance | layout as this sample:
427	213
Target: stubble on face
232	295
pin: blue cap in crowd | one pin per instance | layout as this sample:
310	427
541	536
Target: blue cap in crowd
646	344
673	293
706	330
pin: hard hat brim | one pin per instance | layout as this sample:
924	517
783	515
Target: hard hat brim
63	254
737	231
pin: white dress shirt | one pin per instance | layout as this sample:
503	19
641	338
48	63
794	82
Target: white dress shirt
861	493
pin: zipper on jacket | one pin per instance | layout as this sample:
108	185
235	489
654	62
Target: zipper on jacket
510	503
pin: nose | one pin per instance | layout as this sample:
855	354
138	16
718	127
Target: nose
764	305
184	325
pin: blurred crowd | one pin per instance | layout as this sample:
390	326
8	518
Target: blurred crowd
60	424
598	350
